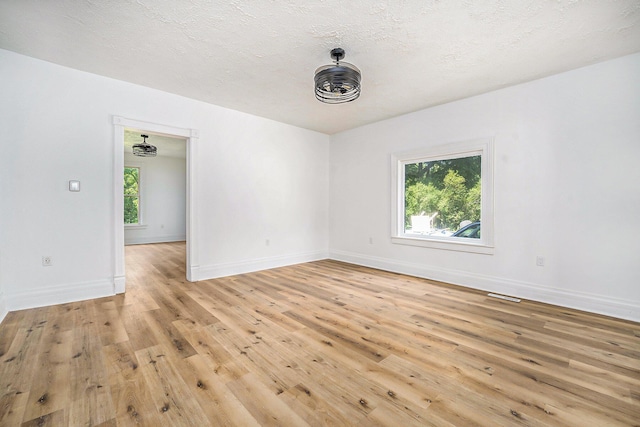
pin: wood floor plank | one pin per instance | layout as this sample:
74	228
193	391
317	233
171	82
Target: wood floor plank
354	385
12	407
217	401
161	326
110	326
171	395
265	406
18	366
10	325
129	392
324	343
90	396
256	356
349	340
49	394
53	419
138	330
203	343
140	299
388	415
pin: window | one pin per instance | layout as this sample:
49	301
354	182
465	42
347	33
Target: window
131	195
443	197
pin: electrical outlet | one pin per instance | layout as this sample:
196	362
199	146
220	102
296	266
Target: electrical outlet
267	242
47	261
540	261
371	240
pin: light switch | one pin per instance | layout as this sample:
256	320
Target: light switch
74	185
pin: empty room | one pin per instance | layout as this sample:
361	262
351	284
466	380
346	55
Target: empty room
320	213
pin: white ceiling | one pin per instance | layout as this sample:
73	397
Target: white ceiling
260	56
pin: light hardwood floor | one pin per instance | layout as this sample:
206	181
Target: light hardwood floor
323	343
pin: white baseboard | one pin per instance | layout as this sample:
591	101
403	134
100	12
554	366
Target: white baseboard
213	271
153	239
601	304
59	294
3	308
193	273
119	284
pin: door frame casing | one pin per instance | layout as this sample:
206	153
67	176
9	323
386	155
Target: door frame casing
191	136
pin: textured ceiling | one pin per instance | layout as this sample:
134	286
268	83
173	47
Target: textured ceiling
260	56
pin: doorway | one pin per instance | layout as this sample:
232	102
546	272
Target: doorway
154	189
190	136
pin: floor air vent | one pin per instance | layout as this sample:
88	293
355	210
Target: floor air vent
512	299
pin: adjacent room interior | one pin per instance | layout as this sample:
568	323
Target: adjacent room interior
155	190
442	234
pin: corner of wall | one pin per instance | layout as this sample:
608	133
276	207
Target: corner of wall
3	307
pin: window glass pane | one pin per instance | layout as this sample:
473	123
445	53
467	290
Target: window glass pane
440	195
131	210
131	180
131	195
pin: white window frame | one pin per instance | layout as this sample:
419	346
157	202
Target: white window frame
482	147
140	224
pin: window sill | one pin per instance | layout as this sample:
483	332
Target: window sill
448	244
135	226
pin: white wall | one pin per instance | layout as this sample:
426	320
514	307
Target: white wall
566	188
257	180
162	198
3	304
3	308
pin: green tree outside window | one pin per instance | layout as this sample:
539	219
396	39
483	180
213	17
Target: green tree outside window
450	187
131	195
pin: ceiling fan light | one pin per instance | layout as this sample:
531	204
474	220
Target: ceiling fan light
339	83
144	149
